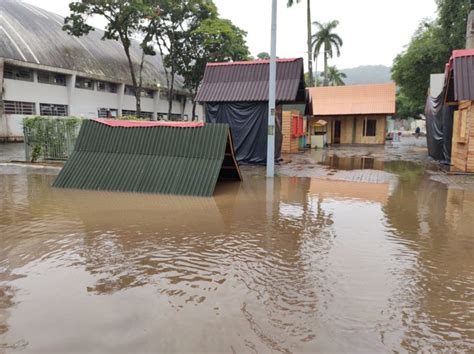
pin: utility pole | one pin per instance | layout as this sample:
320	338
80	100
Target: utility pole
272	97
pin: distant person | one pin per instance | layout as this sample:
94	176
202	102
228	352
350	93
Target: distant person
417	132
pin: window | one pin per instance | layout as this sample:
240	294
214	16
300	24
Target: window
176	117
83	83
106	86
107	113
370	127
58	110
46	77
297	126
126	112
17	73
147	93
129	90
144	115
17	107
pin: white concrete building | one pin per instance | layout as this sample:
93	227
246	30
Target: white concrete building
44	71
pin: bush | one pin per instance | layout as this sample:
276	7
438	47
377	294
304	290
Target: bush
50	138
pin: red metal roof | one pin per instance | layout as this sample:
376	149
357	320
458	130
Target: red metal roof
248	81
141	124
460	76
251	62
353	99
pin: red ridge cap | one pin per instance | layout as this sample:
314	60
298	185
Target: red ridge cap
145	123
252	62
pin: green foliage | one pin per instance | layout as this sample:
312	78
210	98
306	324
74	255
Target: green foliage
427	53
124	19
263	56
172	32
335	77
50	138
328	41
213	40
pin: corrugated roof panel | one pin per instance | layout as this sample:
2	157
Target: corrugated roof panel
464	77
353	99
242	81
166	160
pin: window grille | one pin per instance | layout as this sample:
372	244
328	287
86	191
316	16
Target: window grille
56	110
17	107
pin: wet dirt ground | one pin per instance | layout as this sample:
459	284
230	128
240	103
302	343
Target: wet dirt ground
361	252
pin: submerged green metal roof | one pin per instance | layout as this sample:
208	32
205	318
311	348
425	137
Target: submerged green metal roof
166	160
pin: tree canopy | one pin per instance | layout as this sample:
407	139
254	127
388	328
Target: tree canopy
214	40
124	19
427	53
326	39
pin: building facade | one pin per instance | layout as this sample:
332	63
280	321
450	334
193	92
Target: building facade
355	114
44	71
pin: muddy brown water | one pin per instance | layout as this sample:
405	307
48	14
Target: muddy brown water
300	265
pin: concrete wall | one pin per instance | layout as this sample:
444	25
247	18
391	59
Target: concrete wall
81	102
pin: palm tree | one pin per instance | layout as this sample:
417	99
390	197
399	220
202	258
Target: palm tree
335	77
290	3
326	39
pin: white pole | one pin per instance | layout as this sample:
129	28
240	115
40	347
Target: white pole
272	97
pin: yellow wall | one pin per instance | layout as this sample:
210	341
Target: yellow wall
462	152
289	144
347	129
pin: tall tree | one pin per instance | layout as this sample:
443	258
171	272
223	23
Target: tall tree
326	39
215	40
290	3
178	18
124	19
335	77
427	53
263	56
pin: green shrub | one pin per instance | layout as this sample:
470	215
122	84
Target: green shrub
50	138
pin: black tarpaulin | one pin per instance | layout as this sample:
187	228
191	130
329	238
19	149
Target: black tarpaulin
439	128
248	123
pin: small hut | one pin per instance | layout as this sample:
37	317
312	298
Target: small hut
460	93
355	114
236	93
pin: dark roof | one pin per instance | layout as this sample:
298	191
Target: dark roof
152	159
31	34
248	81
460	76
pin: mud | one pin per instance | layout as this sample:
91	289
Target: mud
328	263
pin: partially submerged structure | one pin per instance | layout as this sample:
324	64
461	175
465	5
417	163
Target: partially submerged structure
355	114
150	157
44	71
236	93
460	92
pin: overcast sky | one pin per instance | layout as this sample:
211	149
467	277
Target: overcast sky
374	31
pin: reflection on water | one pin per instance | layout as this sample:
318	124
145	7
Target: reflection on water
296	265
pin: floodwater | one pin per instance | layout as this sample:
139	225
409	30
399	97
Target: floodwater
293	265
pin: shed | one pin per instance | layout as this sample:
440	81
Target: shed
460	95
150	157
236	93
356	114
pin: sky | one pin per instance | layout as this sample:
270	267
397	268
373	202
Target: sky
373	31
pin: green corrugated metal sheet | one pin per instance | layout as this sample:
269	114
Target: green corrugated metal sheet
165	160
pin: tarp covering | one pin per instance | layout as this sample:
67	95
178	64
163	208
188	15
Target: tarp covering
163	160
248	123
439	128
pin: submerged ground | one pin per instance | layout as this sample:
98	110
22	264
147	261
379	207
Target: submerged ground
347	250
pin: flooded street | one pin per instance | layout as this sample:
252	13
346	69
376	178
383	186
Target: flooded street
300	264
